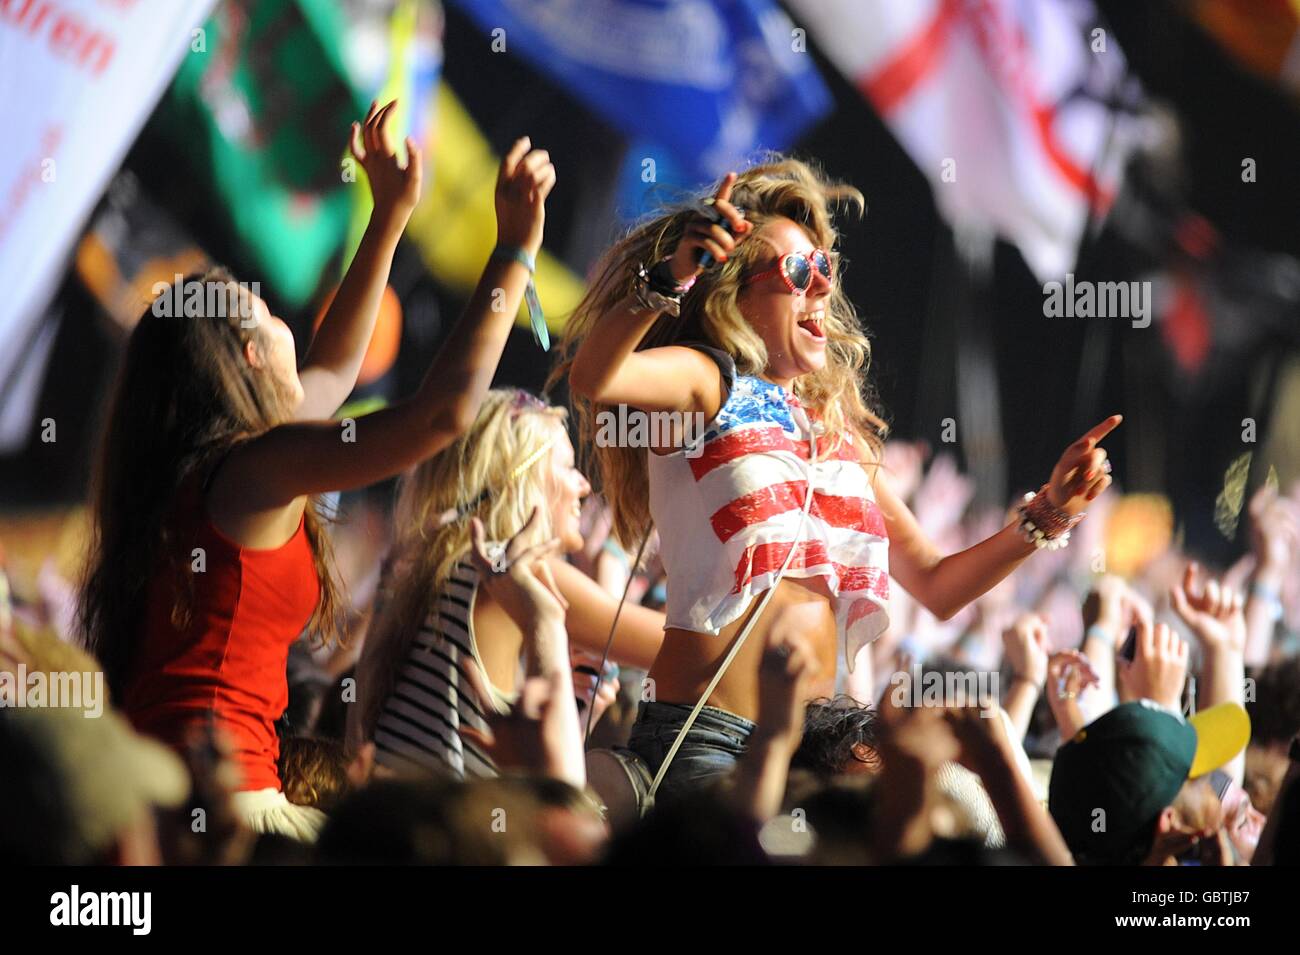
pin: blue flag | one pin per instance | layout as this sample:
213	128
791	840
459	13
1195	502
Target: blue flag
712	80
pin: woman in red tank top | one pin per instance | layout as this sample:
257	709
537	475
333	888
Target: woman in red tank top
210	559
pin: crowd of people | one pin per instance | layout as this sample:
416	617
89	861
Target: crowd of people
781	638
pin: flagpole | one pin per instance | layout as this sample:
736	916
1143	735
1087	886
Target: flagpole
1096	335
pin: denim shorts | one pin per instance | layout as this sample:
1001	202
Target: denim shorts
712	747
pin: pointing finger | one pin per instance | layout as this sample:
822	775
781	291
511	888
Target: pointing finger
1099	431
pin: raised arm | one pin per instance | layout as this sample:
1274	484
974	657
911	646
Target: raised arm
607	368
943	585
1214	613
787	668
333	361
1275	539
1024	648
1109	610
541	732
987	751
275	469
591	612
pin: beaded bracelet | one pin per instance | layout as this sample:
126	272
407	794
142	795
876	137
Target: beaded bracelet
1043	524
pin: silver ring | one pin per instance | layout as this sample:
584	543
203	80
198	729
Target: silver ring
1105	466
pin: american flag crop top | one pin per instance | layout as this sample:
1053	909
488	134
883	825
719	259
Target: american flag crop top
728	509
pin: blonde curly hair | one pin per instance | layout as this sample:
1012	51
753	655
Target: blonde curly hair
776	188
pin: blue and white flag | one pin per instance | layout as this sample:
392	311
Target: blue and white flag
712	80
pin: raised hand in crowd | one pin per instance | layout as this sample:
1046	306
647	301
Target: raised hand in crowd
914	742
1215	614
394	185
541	732
535	735
785	674
905	463
1275	543
1024	648
942	496
1158	669
334	357
591	686
986	749
1069	673
1213	611
518	577
526	179
1107	616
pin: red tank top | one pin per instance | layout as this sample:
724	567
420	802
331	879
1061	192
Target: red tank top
249	606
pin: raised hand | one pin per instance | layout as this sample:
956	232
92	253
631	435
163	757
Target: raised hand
943	495
981	736
916	740
905	464
1213	611
394	185
1158	669
1082	473
703	235
592	687
535	735
1274	529
524	181
1106	605
517	576
1024	645
1069	673
787	668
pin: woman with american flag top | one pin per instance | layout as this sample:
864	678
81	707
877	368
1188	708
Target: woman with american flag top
732	308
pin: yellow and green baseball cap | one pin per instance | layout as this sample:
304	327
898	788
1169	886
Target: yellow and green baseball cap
1113	779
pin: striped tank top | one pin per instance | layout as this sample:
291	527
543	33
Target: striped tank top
419	725
729	510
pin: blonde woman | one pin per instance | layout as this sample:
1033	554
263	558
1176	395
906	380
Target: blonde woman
766	348
438	622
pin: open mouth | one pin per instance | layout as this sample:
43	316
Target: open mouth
812	324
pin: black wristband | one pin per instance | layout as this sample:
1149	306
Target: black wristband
660	279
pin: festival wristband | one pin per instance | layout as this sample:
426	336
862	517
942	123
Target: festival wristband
1264	591
1021	678
1098	632
512	253
1270	597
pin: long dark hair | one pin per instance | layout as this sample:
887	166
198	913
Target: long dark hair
185	395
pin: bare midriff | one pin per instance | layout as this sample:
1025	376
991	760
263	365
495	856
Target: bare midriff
688	660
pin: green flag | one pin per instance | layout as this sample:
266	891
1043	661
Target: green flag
261	106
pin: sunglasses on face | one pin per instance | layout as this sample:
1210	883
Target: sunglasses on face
796	269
